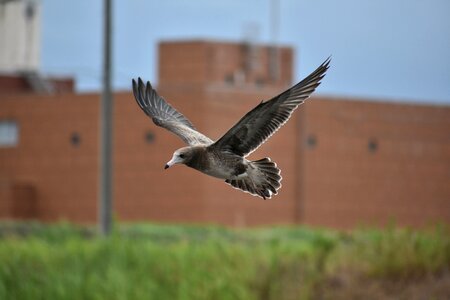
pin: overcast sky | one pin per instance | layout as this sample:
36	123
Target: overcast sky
393	49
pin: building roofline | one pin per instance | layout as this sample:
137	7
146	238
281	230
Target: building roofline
380	100
220	41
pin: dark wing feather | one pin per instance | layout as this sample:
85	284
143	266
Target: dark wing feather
266	118
164	115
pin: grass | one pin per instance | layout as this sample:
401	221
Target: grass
397	253
146	261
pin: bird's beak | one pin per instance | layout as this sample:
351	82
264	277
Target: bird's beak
174	160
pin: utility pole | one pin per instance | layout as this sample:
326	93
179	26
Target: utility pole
106	128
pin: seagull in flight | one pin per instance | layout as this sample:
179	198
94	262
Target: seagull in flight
226	158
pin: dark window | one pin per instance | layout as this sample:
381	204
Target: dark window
229	79
30	10
149	137
311	141
260	82
372	145
75	139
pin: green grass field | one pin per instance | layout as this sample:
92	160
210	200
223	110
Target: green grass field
206	262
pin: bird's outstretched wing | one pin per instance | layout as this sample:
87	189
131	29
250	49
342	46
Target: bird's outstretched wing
266	118
164	115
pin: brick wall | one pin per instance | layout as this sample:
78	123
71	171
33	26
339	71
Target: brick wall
210	63
143	189
334	181
225	106
13	84
17	200
344	162
375	163
63	175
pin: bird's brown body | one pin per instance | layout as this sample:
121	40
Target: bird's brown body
212	163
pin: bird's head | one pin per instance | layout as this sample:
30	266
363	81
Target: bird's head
180	156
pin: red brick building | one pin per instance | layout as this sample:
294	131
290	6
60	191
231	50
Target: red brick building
344	162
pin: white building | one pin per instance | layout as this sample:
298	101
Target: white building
20	29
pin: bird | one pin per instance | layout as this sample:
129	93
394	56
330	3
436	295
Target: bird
225	158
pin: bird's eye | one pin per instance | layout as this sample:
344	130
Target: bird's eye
181	155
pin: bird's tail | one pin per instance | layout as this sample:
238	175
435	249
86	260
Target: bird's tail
263	179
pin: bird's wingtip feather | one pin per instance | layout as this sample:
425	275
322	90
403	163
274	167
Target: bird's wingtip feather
327	61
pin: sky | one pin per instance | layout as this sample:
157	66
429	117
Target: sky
394	50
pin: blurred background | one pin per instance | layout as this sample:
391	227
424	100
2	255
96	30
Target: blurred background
371	148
